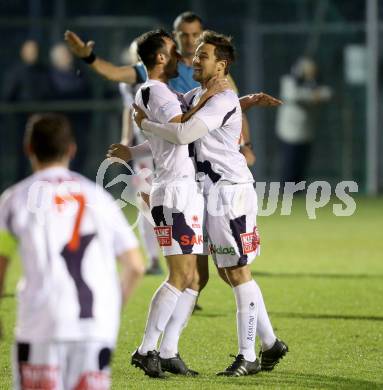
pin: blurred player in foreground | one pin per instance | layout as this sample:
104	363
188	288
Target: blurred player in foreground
69	234
230	199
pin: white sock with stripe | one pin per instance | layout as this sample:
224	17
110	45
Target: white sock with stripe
246	297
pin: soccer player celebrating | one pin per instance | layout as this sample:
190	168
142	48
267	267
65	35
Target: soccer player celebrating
175	200
156	94
230	199
69	234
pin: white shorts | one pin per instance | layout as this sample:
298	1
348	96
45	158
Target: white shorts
178	213
61	366
231	214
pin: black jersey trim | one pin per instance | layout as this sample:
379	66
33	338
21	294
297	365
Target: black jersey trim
228	115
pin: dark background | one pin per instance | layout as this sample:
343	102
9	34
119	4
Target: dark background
269	35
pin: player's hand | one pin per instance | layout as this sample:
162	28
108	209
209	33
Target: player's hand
77	46
249	155
119	151
216	85
260	99
138	115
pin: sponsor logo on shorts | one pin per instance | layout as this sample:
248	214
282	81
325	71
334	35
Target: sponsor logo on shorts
222	250
250	241
42	377
164	235
97	380
195	222
186	240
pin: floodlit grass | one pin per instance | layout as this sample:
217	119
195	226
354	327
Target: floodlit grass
322	281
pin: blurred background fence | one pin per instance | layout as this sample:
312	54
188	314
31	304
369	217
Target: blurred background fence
270	35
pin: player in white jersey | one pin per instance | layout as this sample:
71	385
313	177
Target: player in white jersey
69	234
132	135
176	202
230	199
169	345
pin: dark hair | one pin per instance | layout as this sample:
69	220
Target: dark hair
224	49
149	44
186	17
49	136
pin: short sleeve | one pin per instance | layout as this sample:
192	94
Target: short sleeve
164	104
218	110
8	240
189	96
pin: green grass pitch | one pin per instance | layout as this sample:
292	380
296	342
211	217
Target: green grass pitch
322	281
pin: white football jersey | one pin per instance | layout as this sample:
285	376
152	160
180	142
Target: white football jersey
217	153
172	162
128	93
69	234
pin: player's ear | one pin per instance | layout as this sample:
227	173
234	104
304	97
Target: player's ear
221	65
161	58
72	150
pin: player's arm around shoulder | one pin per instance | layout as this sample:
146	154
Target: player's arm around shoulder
218	109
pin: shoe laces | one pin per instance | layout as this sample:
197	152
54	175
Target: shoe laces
236	364
154	355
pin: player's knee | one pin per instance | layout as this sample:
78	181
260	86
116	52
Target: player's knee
181	279
238	275
188	279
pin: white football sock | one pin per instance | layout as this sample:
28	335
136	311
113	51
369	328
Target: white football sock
265	330
246	297
177	322
149	240
163	303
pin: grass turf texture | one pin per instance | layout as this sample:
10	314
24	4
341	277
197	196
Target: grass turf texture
322	283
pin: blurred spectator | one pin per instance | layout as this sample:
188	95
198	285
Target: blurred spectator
69	84
302	95
26	81
29	79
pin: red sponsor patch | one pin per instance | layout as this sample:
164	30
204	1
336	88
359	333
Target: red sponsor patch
191	240
250	241
97	380
41	377
164	235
